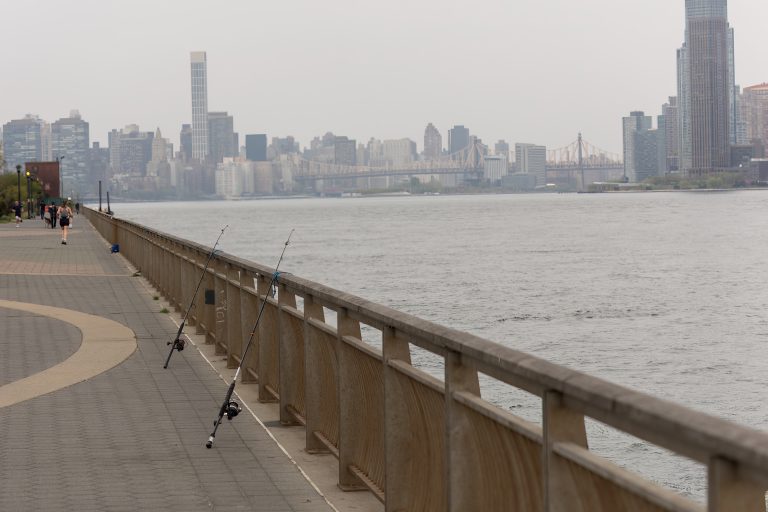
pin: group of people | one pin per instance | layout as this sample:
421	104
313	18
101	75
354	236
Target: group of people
51	213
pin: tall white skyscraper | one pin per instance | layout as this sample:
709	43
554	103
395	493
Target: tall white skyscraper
199	64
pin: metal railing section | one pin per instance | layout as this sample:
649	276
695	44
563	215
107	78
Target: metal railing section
424	444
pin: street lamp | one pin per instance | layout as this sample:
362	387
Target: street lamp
29	197
18	175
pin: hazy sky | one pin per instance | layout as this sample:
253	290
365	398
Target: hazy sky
522	70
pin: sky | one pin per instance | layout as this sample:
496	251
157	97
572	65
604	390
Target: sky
535	71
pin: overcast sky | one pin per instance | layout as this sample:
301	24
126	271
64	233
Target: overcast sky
522	70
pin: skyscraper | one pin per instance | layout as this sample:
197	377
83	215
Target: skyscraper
199	65
256	147
756	118
644	148
458	141
672	133
705	87
532	159
22	141
185	142
433	143
70	138
222	142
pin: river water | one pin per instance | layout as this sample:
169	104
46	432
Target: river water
665	293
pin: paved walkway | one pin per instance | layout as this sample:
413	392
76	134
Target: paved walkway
126	435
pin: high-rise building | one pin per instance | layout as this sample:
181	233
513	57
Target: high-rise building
458	141
256	147
344	151
199	66
672	133
222	141
494	168
130	150
706	87
70	143
433	143
185	142
22	141
755	108
501	148
399	152
644	148
532	159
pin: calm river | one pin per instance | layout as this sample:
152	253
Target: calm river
662	292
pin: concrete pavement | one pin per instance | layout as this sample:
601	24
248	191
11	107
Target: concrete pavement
122	434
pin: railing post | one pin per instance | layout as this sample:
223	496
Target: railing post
397	440
291	357
561	425
266	348
209	310
312	392
350	398
220	285
728	492
234	312
459	376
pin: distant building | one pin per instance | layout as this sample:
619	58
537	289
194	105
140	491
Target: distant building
130	150
501	148
256	147
282	146
22	141
643	147
99	163
230	179
755	108
344	151
433	143
531	159
185	142
672	134
706	88
494	168
458	141
70	144
222	140
199	68
399	152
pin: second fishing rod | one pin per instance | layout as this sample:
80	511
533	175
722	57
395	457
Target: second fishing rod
178	343
229	407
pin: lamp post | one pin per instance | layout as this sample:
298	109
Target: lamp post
29	196
18	175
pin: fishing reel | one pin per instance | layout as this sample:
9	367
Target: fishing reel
177	344
233	409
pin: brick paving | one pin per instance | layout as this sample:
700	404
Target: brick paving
132	438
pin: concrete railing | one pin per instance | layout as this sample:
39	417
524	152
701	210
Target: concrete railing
424	444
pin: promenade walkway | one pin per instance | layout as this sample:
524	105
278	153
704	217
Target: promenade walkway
90	420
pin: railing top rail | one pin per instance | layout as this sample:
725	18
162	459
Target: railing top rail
694	434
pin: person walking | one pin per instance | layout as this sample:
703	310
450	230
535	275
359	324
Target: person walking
65	214
47	215
53	211
42	209
17	212
77	208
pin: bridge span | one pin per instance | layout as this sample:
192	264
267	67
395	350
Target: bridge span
421	443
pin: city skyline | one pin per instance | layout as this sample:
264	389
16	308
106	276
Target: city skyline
384	87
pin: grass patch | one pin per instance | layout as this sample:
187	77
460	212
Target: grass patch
155	297
164	310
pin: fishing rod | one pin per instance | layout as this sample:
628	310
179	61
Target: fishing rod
178	343
229	407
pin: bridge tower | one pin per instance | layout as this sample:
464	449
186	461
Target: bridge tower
580	143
